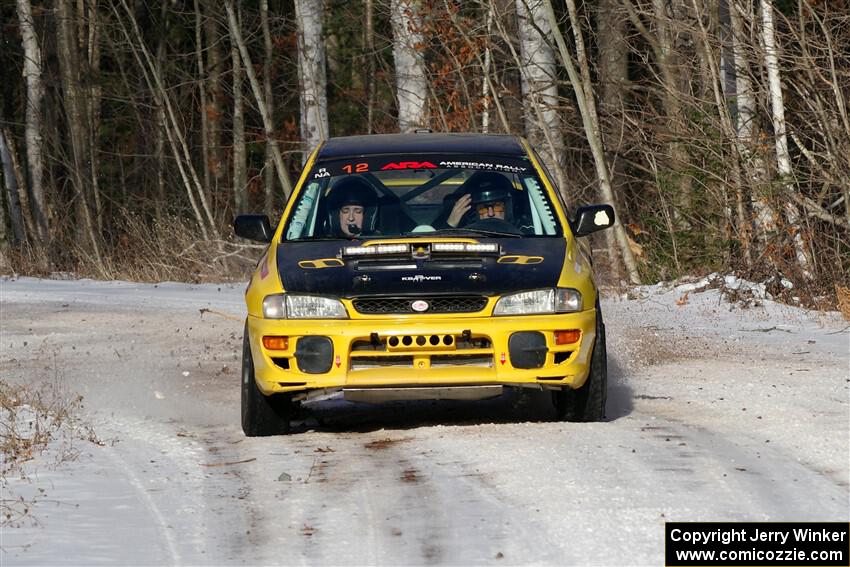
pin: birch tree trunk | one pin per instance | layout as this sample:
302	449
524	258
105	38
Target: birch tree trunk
240	174
34	129
410	70
543	126
485	84
268	94
587	109
764	220
783	159
311	75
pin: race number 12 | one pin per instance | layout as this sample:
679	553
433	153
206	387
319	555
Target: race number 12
356	168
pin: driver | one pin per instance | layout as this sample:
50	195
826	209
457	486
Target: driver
353	209
490	199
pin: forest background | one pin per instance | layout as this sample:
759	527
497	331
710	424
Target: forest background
132	131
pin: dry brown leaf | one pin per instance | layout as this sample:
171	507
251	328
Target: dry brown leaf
682	300
634	228
637	249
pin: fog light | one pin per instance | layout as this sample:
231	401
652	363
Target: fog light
567	337
276	343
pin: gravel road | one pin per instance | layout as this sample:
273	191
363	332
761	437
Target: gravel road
715	413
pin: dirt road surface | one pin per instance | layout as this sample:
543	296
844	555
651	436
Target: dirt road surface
715	413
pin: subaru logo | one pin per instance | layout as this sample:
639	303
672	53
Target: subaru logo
419	306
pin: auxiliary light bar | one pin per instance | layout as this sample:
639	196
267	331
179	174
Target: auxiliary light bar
464	247
378	249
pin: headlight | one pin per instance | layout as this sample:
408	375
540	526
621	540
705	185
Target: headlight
274	307
287	306
557	300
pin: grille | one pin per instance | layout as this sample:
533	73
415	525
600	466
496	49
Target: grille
437	304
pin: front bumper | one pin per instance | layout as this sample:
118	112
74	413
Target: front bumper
375	353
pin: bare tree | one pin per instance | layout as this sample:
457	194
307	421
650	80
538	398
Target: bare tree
746	126
485	84
311	74
613	78
783	159
202	95
177	140
672	74
268	95
411	73
543	126
34	129
213	111
268	127
590	121
370	67
240	173
89	32
12	191
76	111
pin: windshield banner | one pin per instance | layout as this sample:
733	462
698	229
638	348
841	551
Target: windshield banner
374	164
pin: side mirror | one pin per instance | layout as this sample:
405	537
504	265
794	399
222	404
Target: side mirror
253	227
591	218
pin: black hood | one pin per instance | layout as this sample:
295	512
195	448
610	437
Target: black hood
318	268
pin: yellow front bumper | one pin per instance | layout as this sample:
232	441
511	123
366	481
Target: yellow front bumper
426	365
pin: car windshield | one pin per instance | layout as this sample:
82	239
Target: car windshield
391	196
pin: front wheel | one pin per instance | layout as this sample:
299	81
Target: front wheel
261	415
588	402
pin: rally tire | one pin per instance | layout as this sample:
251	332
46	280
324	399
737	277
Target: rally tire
587	403
261	415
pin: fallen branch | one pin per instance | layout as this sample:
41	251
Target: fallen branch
203	310
228	463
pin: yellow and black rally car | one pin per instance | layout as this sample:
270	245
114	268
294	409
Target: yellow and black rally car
422	266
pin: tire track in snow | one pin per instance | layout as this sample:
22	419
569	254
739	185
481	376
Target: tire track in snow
174	494
758	473
145	498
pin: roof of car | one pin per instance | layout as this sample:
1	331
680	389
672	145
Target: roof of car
492	144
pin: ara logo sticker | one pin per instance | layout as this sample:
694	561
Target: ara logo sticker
337	361
421	278
409	165
502	358
419	306
601	219
323	172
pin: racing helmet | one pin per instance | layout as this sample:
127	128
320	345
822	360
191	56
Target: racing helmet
353	191
490	187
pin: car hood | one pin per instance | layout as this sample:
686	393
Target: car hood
319	268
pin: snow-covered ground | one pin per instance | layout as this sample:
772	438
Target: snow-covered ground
715	413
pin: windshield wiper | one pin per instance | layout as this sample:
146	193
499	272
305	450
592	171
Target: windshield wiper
461	231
